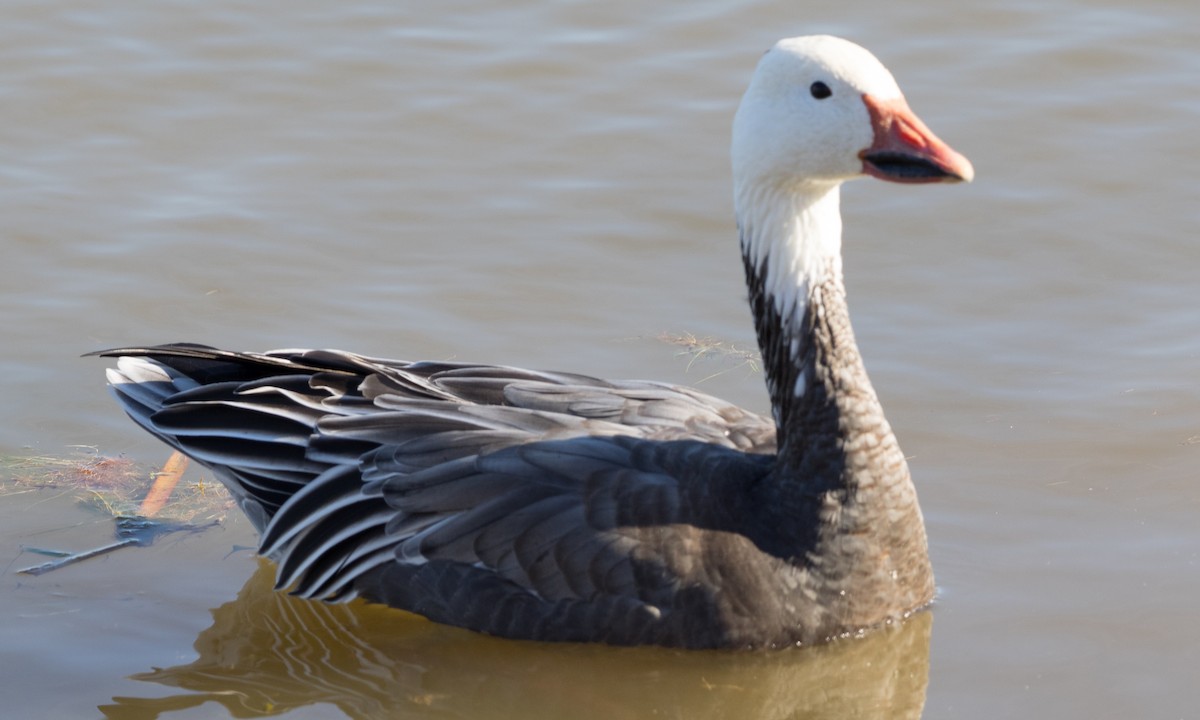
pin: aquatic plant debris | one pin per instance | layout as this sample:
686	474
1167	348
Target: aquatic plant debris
118	485
122	488
706	349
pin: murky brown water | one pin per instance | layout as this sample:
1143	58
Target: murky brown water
547	185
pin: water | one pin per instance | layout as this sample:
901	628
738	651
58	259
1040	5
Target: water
547	185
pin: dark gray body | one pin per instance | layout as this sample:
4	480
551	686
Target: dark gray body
558	507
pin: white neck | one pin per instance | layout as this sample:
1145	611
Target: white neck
791	245
800	230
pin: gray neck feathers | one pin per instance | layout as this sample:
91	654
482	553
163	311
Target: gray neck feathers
830	425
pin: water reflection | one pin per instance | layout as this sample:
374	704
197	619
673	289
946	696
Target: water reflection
267	654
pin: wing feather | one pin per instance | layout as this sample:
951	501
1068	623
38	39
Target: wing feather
509	500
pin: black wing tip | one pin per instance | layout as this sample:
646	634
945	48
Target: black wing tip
181	349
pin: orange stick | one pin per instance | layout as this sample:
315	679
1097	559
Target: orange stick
164	482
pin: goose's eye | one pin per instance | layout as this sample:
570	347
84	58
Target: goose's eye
820	90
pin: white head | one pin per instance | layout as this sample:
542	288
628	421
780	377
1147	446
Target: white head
821	110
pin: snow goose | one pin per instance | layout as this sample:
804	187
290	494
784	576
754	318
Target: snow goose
553	506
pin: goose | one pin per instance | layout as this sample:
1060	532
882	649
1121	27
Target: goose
558	507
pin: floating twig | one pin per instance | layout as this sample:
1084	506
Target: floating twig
73	558
131	530
164	483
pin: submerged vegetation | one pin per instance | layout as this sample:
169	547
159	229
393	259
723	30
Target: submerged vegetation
116	486
135	497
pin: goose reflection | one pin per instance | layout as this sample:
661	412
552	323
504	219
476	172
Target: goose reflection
268	654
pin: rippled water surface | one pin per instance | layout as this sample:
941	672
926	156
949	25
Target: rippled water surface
547	185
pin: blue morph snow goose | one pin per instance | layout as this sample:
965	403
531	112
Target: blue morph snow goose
553	506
